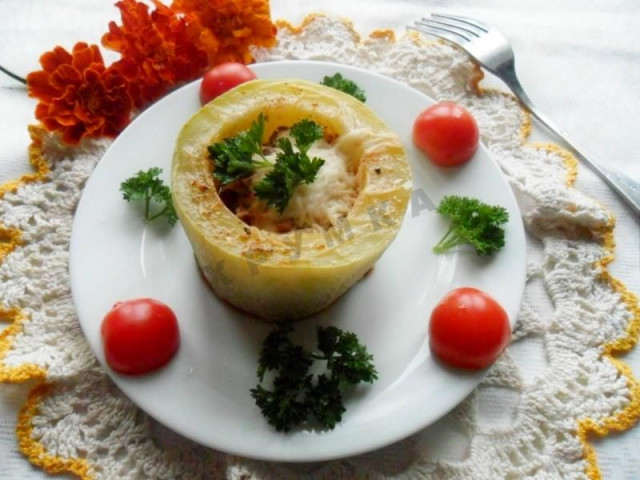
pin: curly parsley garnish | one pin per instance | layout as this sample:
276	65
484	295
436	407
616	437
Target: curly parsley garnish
233	157
345	85
297	395
472	222
240	156
147	186
291	168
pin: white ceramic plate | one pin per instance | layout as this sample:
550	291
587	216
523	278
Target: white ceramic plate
204	392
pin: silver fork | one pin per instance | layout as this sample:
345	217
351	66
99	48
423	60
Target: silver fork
492	50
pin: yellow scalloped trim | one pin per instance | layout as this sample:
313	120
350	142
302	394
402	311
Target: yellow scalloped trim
36	159
628	416
526	125
297	30
10	239
20	373
35	451
570	162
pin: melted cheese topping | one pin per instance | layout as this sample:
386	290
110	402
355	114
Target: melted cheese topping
322	203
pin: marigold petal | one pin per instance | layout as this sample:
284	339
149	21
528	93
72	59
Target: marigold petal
52	60
39	87
235	25
114	38
64	113
242	32
64	76
133	13
127	67
94	74
162	9
85	55
159	47
42	111
114	80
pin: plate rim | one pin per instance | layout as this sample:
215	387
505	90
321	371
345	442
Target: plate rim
119	381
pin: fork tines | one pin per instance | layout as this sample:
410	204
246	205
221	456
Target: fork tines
444	26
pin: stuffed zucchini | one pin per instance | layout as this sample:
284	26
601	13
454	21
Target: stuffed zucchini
289	260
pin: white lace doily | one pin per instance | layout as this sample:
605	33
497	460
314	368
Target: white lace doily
529	419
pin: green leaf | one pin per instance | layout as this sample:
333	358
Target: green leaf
472	222
305	132
349	360
148	187
345	85
297	396
240	156
326	403
234	157
292	167
281	407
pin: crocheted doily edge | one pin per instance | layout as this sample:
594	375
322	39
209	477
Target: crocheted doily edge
586	428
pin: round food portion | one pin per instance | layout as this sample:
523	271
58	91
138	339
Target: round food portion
468	329
447	133
139	336
282	274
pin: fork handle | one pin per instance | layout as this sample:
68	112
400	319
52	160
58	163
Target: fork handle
625	187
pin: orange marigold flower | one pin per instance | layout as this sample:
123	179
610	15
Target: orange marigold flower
78	96
158	49
229	27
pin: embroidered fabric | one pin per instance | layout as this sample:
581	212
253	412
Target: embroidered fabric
529	418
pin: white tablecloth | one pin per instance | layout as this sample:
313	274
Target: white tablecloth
578	59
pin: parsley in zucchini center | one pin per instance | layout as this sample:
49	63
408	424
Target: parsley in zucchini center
240	156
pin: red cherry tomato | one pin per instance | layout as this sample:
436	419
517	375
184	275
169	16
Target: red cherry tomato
139	335
223	77
468	329
447	133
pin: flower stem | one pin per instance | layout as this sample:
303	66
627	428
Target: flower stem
13	75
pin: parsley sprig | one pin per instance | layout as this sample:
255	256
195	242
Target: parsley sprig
292	168
297	395
148	187
233	157
472	222
345	85
240	156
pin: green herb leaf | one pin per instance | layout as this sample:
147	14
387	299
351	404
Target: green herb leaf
240	156
147	186
292	167
298	396
305	132
472	222
326	403
234	157
345	85
350	362
281	407
279	353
